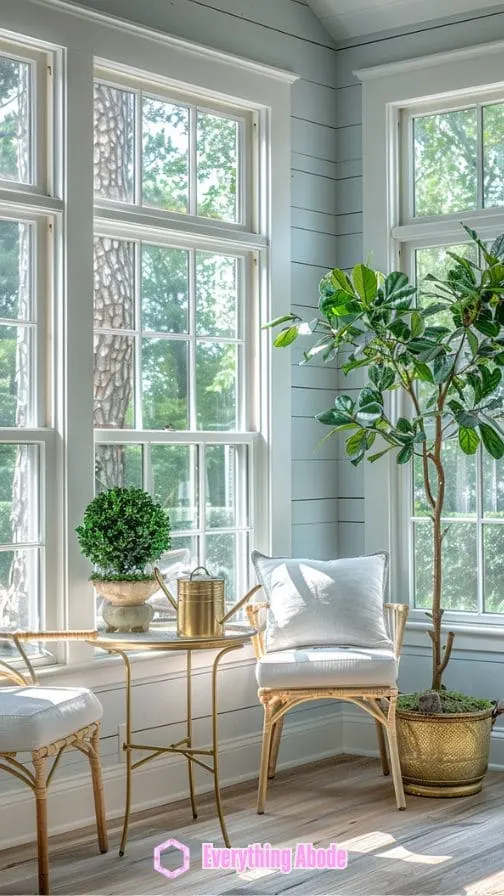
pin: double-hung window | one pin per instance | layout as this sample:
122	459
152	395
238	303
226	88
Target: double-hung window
176	312
29	225
433	158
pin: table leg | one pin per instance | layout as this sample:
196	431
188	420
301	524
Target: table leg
128	750
215	742
189	734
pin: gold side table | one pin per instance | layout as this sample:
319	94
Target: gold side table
166	639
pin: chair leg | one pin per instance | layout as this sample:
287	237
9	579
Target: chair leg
96	774
265	758
275	744
394	755
41	814
382	748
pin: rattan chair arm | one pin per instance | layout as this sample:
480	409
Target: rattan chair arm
253	611
395	619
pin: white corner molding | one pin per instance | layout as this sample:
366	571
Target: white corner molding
167	39
348	19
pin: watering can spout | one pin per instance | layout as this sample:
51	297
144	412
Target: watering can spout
159	579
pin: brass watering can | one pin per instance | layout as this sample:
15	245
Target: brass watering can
200	604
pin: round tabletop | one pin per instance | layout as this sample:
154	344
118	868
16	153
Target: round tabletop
166	638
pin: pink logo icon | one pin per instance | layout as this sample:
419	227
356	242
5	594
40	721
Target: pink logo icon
164	847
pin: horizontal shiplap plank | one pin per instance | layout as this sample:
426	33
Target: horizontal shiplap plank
323	510
316	541
283	15
305	219
305	279
311	376
350	510
309	442
314	479
350	539
350	479
321	194
340	107
326	168
342	251
308	402
336	144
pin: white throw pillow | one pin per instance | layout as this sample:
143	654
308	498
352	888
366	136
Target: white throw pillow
316	602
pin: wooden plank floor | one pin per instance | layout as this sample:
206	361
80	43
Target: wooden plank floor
434	848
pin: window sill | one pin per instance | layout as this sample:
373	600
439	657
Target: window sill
106	671
468	637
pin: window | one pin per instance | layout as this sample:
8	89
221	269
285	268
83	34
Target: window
26	302
139	256
445	155
175	315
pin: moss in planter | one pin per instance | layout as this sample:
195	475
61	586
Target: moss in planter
122	577
451	701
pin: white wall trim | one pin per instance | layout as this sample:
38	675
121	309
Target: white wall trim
169	40
447	58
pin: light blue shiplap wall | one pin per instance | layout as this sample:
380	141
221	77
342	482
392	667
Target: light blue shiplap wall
285	33
370	51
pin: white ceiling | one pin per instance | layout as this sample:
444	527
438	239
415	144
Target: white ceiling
346	19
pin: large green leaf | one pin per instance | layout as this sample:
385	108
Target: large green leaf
492	441
442	368
335	418
487	327
356	443
369	413
468	439
491	379
341	281
365	282
286	337
279	320
405	454
417	324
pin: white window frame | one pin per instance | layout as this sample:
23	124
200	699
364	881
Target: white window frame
85	39
431	82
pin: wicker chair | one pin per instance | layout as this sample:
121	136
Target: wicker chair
282	687
44	721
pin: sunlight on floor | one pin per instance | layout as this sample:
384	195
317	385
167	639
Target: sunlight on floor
377	840
487	886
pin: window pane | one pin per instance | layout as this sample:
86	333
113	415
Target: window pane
493	487
19	589
165	289
459	566
114	143
118	465
164	384
216	386
493	546
19	503
189	544
175	483
221	561
445	160
15	124
217	152
216	295
221	505
113	381
15	376
114	283
165	161
493	155
15	270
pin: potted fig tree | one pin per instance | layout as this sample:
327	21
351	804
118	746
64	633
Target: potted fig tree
123	533
439	346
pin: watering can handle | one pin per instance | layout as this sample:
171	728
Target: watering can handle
205	570
159	579
240	603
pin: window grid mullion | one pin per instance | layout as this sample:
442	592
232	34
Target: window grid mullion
479	157
138	148
193	160
137	385
191	351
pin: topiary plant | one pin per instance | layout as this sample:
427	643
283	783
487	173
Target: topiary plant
123	530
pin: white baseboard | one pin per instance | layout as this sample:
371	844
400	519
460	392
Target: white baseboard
70	805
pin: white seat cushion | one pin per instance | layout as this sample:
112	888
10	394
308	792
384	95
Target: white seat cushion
313	667
34	717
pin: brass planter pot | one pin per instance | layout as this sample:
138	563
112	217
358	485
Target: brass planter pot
444	755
